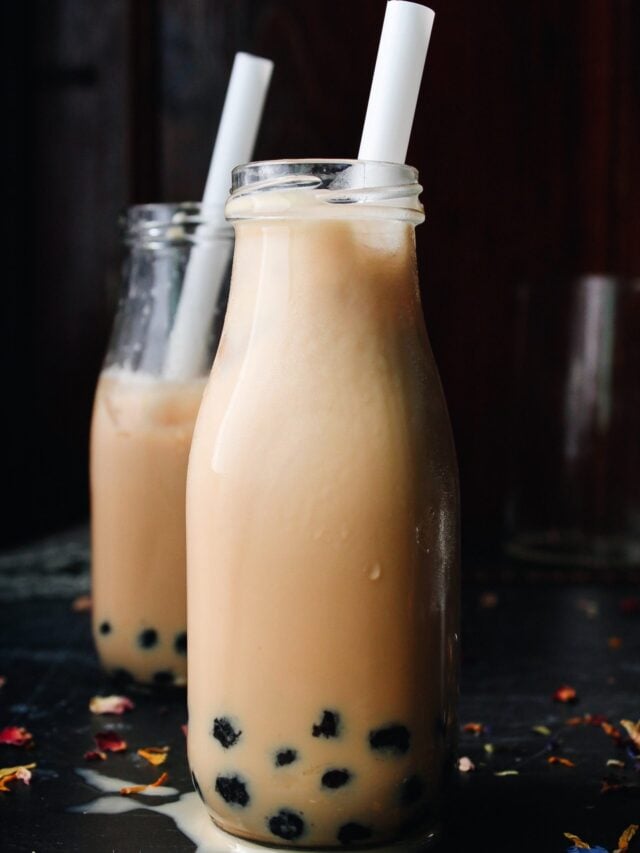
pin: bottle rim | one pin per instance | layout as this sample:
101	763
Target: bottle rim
295	188
156	224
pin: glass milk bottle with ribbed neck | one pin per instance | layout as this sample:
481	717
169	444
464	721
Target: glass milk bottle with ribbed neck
140	437
322	523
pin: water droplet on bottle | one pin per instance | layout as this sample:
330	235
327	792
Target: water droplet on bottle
375	572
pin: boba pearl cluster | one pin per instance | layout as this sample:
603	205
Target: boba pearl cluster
147	639
391	740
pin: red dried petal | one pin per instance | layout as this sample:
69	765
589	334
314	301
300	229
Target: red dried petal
81	604
185	729
474	728
16	736
95	755
110	741
565	694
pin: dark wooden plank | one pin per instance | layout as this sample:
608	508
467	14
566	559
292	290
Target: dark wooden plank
76	180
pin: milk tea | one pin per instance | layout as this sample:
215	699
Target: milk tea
140	439
322	517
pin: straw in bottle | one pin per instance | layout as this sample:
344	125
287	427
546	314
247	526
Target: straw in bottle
209	260
396	81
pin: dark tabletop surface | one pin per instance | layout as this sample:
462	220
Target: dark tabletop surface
521	641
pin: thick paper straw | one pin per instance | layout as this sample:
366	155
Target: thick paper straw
396	81
210	258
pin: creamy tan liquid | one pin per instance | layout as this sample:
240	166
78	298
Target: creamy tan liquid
141	434
322	537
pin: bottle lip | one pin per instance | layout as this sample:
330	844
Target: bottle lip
305	187
173	223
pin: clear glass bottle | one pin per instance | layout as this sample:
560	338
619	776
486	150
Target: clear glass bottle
323	522
140	437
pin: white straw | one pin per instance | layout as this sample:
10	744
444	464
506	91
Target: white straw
396	81
210	258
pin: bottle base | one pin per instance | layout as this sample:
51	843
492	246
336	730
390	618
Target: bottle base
417	841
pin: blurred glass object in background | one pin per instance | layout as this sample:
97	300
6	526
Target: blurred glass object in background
574	483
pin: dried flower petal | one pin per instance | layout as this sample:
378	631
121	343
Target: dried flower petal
488	600
24	773
155	755
577	842
507	773
9	774
633	730
489	748
81	604
3	680
185	729
541	730
625	838
12	771
614	733
138	789
614	643
575	721
474	728
556	759
110	704
615	762
465	764
565	694
110	741
95	755
16	736
4	782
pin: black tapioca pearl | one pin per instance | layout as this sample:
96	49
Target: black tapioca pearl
180	643
105	628
233	790
148	638
411	790
329	725
224	732
393	739
122	675
163	677
335	778
350	833
196	785
286	756
286	824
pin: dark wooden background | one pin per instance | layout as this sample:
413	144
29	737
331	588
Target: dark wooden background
527	141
